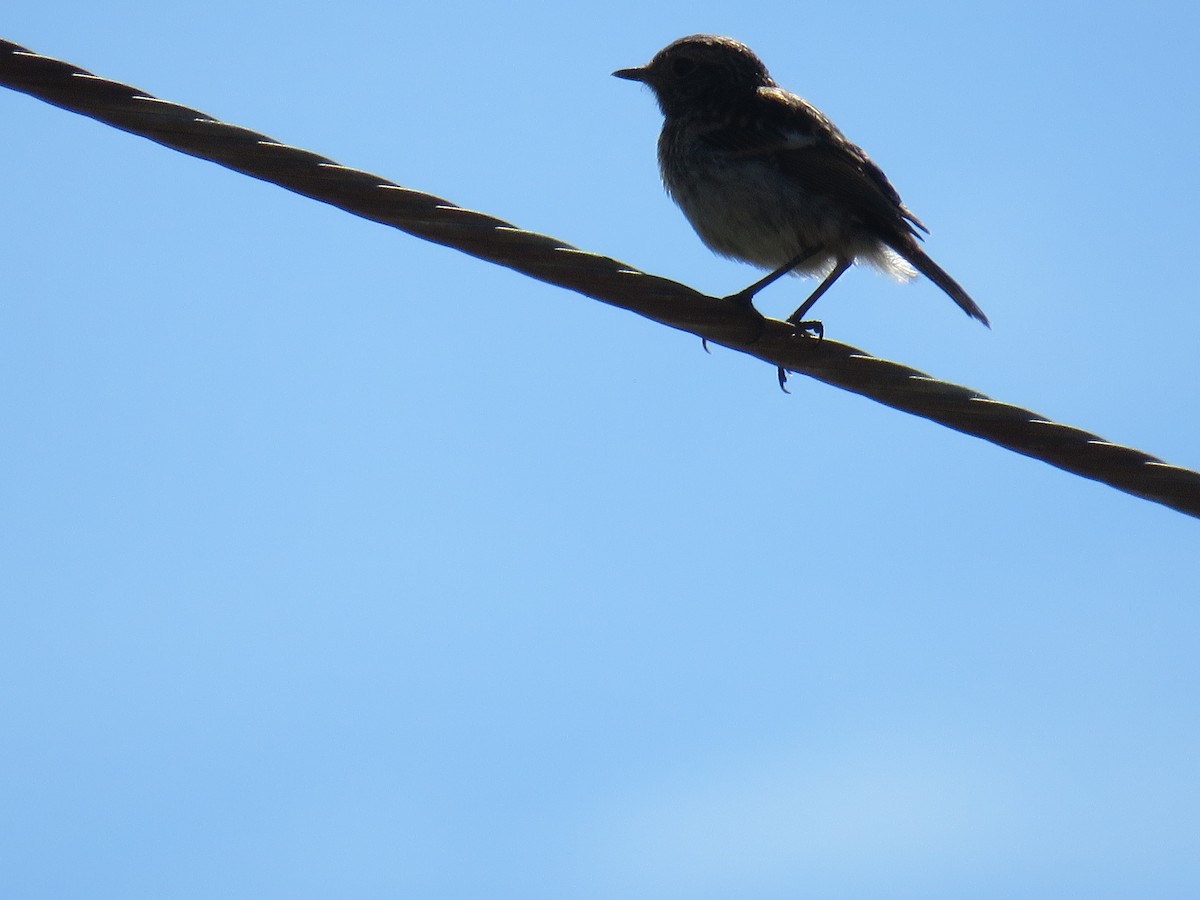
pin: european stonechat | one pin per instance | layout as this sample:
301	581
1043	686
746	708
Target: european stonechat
765	177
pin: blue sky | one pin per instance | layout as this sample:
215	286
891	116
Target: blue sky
335	563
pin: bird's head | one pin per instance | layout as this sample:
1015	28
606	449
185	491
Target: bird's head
698	70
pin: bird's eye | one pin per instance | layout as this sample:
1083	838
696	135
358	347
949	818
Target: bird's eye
683	67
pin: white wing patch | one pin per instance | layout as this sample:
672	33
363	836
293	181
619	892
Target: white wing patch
796	140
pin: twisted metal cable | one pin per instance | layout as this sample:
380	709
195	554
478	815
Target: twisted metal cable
602	278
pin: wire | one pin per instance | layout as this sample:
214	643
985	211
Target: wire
600	277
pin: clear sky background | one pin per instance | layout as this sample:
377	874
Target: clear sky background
338	564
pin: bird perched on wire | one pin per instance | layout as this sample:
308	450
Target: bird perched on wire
765	177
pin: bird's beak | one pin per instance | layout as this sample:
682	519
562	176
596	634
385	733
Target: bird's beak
638	74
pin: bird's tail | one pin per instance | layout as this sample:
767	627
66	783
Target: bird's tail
938	276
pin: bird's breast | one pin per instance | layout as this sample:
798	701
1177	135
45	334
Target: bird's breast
743	206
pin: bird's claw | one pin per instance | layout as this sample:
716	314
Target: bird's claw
810	328
744	300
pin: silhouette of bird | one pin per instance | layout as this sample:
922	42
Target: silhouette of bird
765	177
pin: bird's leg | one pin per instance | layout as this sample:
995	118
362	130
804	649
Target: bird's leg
745	296
796	319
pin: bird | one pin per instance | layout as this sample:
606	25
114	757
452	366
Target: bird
765	177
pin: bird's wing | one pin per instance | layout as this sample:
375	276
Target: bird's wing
805	145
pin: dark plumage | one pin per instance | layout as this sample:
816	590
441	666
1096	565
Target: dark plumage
766	178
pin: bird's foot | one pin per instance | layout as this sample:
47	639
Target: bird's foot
744	299
811	328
